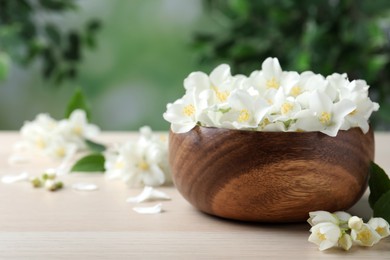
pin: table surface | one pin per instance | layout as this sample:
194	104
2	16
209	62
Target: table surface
37	224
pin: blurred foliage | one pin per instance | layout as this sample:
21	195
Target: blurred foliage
27	33
324	36
4	65
137	67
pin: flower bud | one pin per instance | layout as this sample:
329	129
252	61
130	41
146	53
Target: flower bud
36	182
355	223
50	185
49	174
345	242
53	186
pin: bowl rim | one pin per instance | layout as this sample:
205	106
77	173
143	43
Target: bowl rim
212	128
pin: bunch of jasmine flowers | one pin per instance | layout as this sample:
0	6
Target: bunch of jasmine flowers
340	229
271	100
140	162
57	139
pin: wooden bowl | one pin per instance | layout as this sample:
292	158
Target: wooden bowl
270	176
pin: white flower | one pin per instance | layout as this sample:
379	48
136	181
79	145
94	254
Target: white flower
380	225
271	77
221	81
326	227
283	108
141	162
365	236
58	139
343	218
58	147
317	217
245	111
357	92
76	129
355	223
38	132
360	115
293	102
139	166
323	115
217	86
197	82
184	113
325	235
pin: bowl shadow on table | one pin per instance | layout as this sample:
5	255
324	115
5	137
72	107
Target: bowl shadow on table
301	229
361	209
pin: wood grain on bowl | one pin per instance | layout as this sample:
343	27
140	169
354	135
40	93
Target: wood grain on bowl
270	176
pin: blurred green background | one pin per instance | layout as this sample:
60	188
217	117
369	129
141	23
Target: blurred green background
135	59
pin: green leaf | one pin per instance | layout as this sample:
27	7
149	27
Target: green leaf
379	183
90	163
382	207
4	65
95	147
78	101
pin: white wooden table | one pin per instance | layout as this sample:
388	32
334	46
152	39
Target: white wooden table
37	224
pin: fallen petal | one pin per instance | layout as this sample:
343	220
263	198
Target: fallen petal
148	194
14	178
17	159
81	186
149	210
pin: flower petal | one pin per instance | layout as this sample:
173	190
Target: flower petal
149	210
82	186
18	159
148	194
220	75
8	179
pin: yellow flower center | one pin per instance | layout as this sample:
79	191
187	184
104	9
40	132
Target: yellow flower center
264	123
364	236
143	166
321	236
244	116
325	118
286	107
163	138
119	165
189	110
295	91
60	152
77	130
380	231
40	143
272	83
221	95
